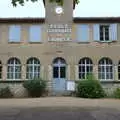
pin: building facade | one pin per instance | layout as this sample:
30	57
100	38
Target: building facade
59	48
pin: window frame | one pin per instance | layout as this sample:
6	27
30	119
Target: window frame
59	63
1	68
118	71
80	31
105	69
14	66
104	32
84	65
32	66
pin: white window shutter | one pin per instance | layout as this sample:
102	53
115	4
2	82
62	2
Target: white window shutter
83	33
35	33
113	32
96	32
76	72
78	33
14	33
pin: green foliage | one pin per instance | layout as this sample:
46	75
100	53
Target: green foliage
21	2
116	93
36	87
5	93
90	88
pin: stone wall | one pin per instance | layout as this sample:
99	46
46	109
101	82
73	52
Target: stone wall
17	89
20	92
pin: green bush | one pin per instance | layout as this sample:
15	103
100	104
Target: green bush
90	88
116	93
36	87
5	93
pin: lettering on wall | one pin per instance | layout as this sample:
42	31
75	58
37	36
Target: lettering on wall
59	32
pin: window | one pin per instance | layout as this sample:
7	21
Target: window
85	67
13	69
0	70
14	33
105	32
105	69
33	68
83	32
35	33
119	70
59	68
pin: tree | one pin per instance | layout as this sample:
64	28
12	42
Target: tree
21	2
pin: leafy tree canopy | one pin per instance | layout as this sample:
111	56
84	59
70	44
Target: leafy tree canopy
21	2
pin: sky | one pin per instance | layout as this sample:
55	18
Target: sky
86	8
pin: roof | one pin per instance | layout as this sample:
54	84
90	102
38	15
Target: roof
75	20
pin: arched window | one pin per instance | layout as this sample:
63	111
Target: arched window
33	68
119	70
85	67
14	69
0	70
59	68
105	69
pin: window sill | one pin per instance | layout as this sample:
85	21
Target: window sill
106	41
11	81
109	81
14	42
35	42
60	41
87	42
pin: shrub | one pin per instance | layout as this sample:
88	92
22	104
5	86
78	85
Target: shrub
116	93
90	88
35	87
5	93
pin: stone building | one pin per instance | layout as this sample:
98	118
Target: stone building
59	48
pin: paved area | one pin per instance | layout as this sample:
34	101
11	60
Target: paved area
60	102
57	108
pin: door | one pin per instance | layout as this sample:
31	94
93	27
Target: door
59	75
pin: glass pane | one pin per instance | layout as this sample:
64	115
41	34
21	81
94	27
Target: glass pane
36	61
83	75
87	68
17	75
30	76
83	68
10	75
80	69
107	75
36	69
55	72
0	68
103	75
80	75
36	75
29	69
118	72
27	75
10	69
62	72
18	69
